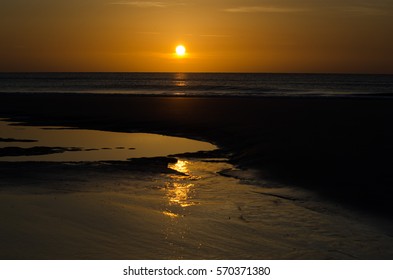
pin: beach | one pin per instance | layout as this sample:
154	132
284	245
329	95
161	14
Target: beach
196	130
297	178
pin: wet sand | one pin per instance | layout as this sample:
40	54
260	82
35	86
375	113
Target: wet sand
318	185
339	147
100	211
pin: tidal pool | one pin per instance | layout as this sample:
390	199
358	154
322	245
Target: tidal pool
30	143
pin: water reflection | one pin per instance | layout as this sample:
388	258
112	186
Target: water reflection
180	191
180	166
170	214
180	80
188	198
62	144
180	194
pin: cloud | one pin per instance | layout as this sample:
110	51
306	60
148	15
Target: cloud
263	9
364	11
142	4
147	4
350	10
215	35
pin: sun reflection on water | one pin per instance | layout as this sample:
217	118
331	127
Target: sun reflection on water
180	80
180	194
170	214
180	166
179	191
180	83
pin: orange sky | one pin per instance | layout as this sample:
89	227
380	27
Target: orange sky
225	35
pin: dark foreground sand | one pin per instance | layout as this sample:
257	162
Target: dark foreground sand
330	158
342	148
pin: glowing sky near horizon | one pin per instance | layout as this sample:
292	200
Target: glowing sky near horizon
225	35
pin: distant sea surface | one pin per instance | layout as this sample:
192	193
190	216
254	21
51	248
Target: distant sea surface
200	84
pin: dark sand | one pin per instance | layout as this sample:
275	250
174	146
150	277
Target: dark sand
340	147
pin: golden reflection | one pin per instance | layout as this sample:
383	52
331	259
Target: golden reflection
180	80
170	214
180	166
180	194
179	190
180	83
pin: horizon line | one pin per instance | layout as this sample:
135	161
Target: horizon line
200	72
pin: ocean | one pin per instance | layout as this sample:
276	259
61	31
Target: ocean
201	84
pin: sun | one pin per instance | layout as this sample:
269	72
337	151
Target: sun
180	50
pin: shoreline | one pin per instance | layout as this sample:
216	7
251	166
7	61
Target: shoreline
339	147
343	96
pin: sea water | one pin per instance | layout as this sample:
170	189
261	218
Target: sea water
200	84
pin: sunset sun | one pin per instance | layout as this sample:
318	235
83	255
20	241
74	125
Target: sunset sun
180	50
